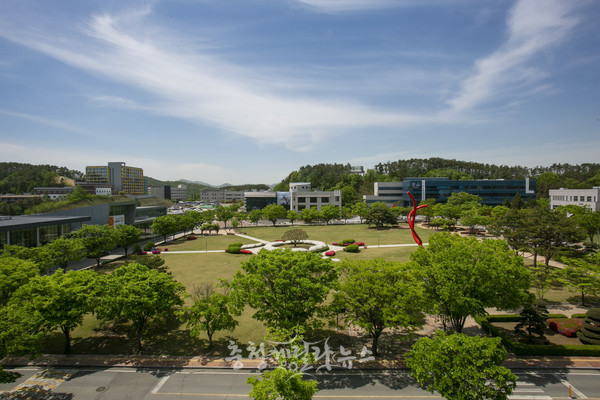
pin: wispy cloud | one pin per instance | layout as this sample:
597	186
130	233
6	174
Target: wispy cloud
201	87
357	5
46	121
534	26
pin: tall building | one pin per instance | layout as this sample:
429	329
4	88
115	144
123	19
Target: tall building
493	192
129	180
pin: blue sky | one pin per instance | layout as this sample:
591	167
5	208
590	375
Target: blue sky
247	91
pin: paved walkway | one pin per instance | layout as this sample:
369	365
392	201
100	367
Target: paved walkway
180	362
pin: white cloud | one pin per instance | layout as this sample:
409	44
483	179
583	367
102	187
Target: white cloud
201	87
534	26
357	5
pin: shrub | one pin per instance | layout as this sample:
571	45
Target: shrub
136	249
590	330
565	326
234	248
148	246
352	248
347	242
578	315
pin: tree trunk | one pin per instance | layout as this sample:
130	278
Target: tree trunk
375	342
67	333
582	298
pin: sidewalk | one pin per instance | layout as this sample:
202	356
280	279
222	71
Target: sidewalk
97	361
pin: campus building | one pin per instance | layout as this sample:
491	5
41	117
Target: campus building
493	192
578	197
53	193
129	180
168	192
35	230
299	197
221	196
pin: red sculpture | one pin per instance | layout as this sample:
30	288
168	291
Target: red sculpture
411	219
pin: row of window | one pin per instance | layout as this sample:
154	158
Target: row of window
574	198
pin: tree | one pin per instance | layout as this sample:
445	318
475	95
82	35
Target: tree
63	250
57	301
378	294
362	210
224	214
164	225
97	240
474	217
292	216
533	322
349	195
128	235
346	213
295	235
427	212
285	288
14	273
380	215
285	382
582	275
273	212
310	214
461	367
255	216
462	276
211	313
138	294
330	212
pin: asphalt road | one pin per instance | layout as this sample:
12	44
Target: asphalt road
165	384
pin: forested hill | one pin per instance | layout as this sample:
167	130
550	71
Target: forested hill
19	178
338	176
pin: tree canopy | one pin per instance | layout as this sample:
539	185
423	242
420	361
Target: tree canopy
285	288
462	276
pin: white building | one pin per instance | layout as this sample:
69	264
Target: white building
578	197
302	197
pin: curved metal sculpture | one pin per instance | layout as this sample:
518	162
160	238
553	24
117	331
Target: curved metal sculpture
411	219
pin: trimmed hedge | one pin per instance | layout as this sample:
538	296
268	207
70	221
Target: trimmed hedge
590	331
352	248
532	349
578	316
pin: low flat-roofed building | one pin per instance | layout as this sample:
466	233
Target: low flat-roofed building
54	193
221	195
35	230
578	197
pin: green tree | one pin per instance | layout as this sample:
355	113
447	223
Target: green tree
211	313
533	322
461	367
310	215
473	217
285	288
285	382
224	214
427	212
349	195
97	240
295	235
255	216
462	276
378	294
64	250
582	275
273	212
362	210
14	273
380	215
57	301
164	226
292	216
330	212
138	294
126	236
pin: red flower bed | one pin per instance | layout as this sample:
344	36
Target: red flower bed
359	243
191	237
245	251
330	253
565	326
144	252
166	249
156	252
335	243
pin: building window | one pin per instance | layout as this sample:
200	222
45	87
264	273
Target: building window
48	233
325	200
313	199
589	198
